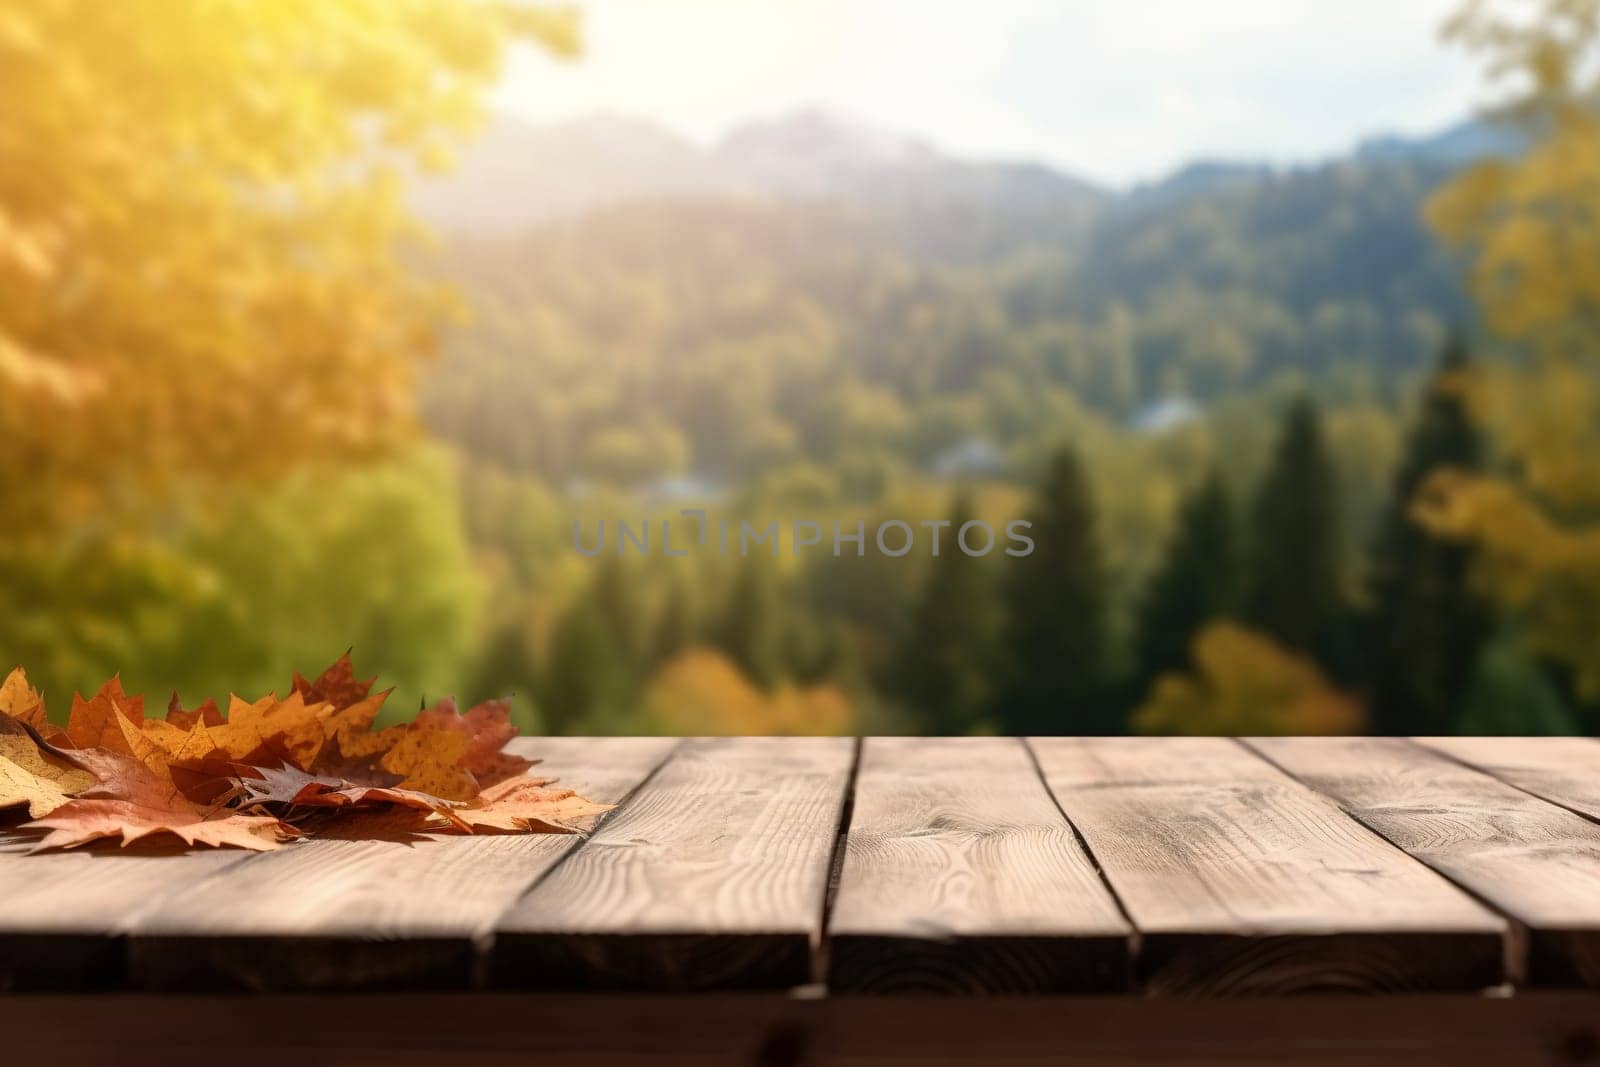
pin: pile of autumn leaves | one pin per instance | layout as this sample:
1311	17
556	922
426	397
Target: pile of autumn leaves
266	772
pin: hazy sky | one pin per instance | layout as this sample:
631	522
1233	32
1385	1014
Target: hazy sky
1117	90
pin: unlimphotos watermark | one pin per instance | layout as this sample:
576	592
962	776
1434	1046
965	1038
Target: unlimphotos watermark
892	537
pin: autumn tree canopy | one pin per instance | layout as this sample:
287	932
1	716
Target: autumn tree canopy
202	234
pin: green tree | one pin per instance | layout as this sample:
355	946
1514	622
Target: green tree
507	667
615	596
751	628
1428	623
946	662
675	624
1056	615
587	679
1294	578
1196	583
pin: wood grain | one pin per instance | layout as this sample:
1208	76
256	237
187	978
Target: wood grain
961	875
713	876
366	914
1534	861
1562	770
63	914
1241	880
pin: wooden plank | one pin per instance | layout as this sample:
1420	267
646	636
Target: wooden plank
1534	861
64	914
1241	880
961	875
712	877
1562	770
365	914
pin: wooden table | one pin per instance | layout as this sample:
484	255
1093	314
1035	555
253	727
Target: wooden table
798	900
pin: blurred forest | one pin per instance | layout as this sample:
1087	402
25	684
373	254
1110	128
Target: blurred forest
1310	450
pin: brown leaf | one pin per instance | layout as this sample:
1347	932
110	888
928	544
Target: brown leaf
529	804
292	787
487	727
32	775
337	685
182	718
93	723
131	802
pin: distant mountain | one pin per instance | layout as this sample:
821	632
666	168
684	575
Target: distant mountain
1465	142
519	174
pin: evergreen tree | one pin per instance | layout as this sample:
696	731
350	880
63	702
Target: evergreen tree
1296	560
945	668
1428	625
1196	583
751	628
1056	615
587	678
506	668
614	594
675	626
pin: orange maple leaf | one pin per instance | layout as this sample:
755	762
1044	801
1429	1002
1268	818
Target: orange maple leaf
131	802
182	718
487	727
337	685
529	804
93	723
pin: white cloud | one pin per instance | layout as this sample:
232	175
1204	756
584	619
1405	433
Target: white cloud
1115	89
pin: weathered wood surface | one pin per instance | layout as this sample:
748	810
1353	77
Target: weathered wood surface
1562	770
1529	859
961	875
1243	881
63	914
713	875
329	913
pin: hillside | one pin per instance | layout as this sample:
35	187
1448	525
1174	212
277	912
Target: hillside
806	288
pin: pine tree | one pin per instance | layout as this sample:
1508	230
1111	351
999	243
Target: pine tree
587	678
506	668
675	625
615	597
1295	591
1056	615
945	668
751	628
1428	625
1196	583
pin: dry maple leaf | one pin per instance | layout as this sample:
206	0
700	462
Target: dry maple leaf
22	701
487	727
183	718
528	804
272	731
93	722
291	787
337	685
31	775
132	802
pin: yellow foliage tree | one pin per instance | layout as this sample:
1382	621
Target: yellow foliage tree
701	692
202	262
1531	227
1245	684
